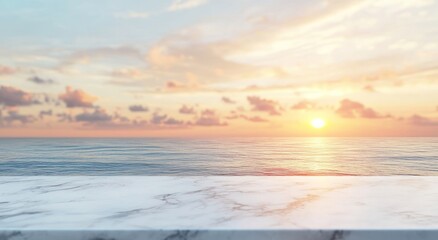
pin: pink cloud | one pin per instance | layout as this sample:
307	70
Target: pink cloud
369	88
176	86
4	70
10	96
209	117
422	121
304	105
352	109
187	110
264	105
77	98
236	115
254	118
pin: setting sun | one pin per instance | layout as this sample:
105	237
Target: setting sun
317	123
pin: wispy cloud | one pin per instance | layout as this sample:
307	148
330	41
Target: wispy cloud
5	70
422	121
304	105
185	4
106	53
236	115
254	118
41	81
279	62
132	15
178	86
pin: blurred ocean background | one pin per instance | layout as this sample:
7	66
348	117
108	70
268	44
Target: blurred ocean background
227	156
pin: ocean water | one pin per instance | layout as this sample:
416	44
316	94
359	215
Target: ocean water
227	156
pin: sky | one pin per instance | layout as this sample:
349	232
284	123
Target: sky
205	68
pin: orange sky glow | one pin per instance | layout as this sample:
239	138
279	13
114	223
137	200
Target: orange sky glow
214	69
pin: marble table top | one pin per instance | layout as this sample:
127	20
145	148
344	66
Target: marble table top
218	207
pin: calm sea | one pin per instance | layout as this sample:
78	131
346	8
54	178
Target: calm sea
246	156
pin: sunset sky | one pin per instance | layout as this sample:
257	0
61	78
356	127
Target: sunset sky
187	68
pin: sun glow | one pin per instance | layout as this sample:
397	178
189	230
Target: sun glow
317	123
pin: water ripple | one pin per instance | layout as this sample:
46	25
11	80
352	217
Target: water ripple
245	156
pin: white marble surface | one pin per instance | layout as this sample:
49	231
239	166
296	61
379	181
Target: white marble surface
218	207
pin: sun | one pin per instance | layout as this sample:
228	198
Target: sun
317	123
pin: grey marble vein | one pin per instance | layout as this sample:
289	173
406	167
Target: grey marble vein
162	208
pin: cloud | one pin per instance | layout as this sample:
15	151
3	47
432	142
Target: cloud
132	15
100	119
369	88
253	118
158	118
228	100
190	51
120	118
4	70
77	98
236	115
173	121
219	59
41	81
106	53
264	105
304	105
187	110
65	117
209	118
99	115
178	86
188	65
45	113
422	121
352	109
185	4
130	73
10	96
14	116
138	108
163	119
229	58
